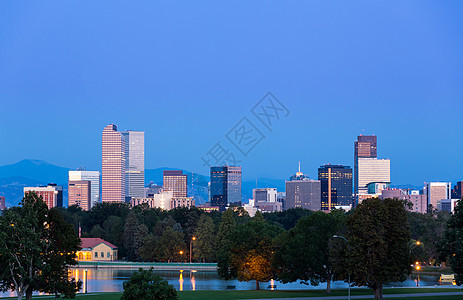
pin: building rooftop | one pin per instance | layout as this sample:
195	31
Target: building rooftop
90	243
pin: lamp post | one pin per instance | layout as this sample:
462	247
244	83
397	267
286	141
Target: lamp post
86	288
418	267
181	255
191	242
348	248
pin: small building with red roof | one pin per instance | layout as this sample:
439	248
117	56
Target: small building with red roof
96	249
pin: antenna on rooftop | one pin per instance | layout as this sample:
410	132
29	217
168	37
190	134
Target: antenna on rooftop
299	167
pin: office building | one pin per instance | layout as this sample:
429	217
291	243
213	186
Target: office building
113	165
437	191
456	191
418	201
301	192
377	187
2	203
447	205
225	186
161	200
134	164
187	202
51	194
336	186
176	182
266	194
79	193
364	147
93	177
372	170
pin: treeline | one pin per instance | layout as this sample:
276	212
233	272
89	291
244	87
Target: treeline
151	234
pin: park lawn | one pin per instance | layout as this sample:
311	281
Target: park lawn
252	294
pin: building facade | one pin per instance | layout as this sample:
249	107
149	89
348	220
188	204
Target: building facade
176	182
96	249
418	201
134	163
437	191
365	147
336	186
79	193
187	202
52	194
372	170
265	194
113	165
225	186
94	178
457	190
161	200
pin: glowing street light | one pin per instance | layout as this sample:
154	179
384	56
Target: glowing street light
348	247
181	253
192	239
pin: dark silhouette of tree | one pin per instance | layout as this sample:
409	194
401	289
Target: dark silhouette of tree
205	239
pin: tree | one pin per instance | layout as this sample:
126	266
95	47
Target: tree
303	253
36	245
167	247
144	284
451	247
205	235
378	244
252	250
133	236
223	244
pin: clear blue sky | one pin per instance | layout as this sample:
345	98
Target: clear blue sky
186	72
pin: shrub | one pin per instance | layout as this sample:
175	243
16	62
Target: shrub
144	284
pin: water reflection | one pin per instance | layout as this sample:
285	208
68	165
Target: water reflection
111	280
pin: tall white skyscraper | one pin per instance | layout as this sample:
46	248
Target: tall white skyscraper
372	170
134	164
94	178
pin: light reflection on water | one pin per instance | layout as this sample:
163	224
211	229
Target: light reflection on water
111	279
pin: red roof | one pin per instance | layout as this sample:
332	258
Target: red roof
93	242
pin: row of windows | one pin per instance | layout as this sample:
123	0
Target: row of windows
108	255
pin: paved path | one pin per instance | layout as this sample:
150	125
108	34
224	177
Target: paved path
386	296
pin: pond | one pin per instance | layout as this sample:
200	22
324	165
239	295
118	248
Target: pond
111	279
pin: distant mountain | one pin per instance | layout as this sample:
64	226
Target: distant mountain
38	170
12	188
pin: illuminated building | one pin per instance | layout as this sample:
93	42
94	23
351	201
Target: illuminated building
437	191
366	147
79	193
113	165
96	249
302	192
174	181
51	194
336	186
134	164
94	178
225	186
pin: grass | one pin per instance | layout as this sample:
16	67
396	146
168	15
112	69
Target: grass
232	295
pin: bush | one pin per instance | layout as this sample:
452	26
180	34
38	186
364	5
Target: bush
144	284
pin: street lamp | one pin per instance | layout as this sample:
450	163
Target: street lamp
86	288
348	248
418	267
192	239
181	255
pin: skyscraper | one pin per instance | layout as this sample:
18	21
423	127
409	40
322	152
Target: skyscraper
113	165
372	170
134	164
336	186
176	182
364	147
225	186
301	192
79	193
437	191
94	178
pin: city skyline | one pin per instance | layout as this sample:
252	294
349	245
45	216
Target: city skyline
398	78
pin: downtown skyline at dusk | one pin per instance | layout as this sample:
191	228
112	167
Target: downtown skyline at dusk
394	72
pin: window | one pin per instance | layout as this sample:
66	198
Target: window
96	254
108	254
102	254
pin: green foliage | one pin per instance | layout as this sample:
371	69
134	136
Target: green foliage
451	246
303	254
379	244
252	250
36	246
223	243
287	219
205	239
133	236
429	229
168	246
144	284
